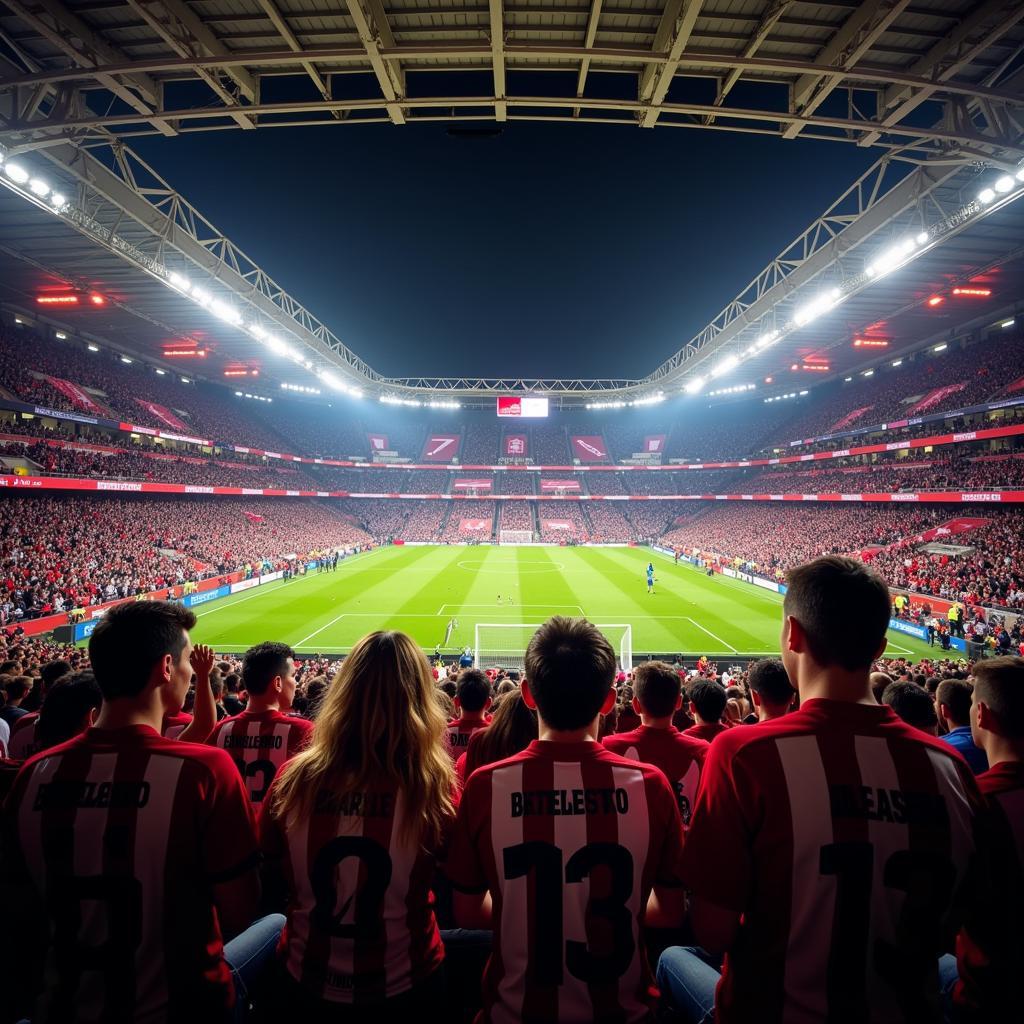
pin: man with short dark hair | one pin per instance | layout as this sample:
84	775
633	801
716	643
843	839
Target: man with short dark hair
953	707
71	706
569	839
658	695
163	841
770	689
472	699
830	849
23	733
912	704
990	948
262	737
707	703
16	689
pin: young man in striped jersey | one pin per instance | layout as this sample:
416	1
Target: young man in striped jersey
140	851
659	694
263	737
569	840
831	848
472	699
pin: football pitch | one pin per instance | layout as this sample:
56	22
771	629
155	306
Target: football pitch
419	589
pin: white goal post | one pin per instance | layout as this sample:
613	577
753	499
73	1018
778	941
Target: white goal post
515	536
503	644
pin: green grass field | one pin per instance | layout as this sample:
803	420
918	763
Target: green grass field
418	589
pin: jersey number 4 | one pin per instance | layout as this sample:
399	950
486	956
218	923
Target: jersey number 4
544	861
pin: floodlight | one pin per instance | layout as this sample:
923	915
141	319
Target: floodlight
985	196
693	386
57	201
16	173
940	348
125	359
1004	184
39	187
727	364
180	282
201	295
161	372
93	348
922	238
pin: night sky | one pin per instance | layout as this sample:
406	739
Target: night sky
553	250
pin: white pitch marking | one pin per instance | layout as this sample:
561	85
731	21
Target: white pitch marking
713	637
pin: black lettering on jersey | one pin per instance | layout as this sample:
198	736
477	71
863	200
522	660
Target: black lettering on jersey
897	806
361	805
683	800
560	802
69	793
254	742
459	739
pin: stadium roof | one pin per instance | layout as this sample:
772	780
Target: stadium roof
935	87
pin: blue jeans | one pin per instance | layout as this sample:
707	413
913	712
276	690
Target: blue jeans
248	954
688	981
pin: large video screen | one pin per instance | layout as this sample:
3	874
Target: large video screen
523	406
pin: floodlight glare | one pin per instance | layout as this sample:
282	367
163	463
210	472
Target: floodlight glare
1004	184
1020	174
727	364
224	312
179	282
985	196
815	308
16	173
693	386
201	295
922	238
39	187
57	201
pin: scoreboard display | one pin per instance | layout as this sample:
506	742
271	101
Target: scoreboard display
522	406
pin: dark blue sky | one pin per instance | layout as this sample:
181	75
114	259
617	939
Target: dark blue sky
554	250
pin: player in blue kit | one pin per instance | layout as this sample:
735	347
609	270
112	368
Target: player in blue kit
650	577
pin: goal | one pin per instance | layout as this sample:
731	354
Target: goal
515	536
503	644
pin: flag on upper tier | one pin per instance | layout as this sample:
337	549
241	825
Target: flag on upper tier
252	516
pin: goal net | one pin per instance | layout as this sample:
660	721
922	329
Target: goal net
503	644
515	536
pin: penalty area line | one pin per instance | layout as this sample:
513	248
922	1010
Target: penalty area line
712	635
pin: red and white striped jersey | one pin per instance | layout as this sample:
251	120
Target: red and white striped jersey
174	725
457	735
843	836
990	947
569	838
361	924
259	742
679	757
23	744
123	833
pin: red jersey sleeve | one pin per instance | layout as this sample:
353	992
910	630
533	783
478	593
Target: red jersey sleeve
228	827
667	860
717	862
464	865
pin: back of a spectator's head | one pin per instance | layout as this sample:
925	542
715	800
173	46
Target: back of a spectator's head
450	688
770	681
658	689
999	686
570	669
955	696
10	668
837	611
263	663
66	710
232	682
52	671
137	639
708	699
878	682
16	687
473	690
912	703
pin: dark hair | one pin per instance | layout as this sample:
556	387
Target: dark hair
708	698
473	690
657	688
231	681
843	608
67	702
570	667
52	671
999	682
131	639
448	687
956	695
912	703
770	681
17	687
513	728
262	663
9	667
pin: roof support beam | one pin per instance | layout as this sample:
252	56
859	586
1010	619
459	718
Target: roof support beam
673	34
93	54
375	33
277	20
498	58
856	36
968	40
588	43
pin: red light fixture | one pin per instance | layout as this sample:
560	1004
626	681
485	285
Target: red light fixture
816	367
974	293
768	380
97	300
185	353
870	343
936	300
57	300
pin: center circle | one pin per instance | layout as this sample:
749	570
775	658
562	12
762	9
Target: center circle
512	567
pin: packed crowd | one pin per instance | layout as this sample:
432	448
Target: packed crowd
691	823
517	515
560	512
608	523
59	554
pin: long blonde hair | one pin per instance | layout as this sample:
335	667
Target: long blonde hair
380	721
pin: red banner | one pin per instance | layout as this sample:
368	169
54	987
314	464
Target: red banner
252	516
559	485
472	485
565	525
934	397
654	444
849	418
1017	385
589	448
474	525
162	413
76	395
441	447
378	442
950	529
513	446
